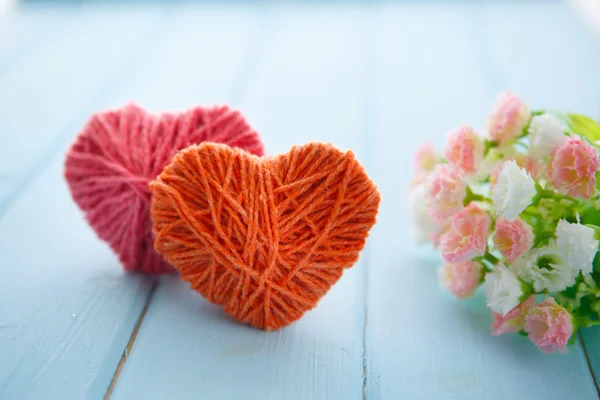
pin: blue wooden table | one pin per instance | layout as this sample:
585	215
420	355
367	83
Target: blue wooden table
377	78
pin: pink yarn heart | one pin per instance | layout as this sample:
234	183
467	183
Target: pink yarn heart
117	154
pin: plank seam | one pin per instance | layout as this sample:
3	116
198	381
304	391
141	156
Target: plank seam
131	342
365	321
589	363
255	51
478	35
369	68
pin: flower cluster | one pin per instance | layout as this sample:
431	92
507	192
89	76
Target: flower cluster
516	210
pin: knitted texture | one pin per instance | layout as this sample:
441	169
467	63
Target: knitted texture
119	152
267	237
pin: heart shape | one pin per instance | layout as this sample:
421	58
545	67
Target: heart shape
117	154
264	237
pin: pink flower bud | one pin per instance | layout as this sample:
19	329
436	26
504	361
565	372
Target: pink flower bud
465	149
573	168
426	158
536	168
514	321
462	278
513	238
445	191
508	118
549	326
467	236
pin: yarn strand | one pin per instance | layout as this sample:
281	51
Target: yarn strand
266	237
117	154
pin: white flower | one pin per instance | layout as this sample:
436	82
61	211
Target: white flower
545	133
577	245
503	290
513	191
423	223
545	269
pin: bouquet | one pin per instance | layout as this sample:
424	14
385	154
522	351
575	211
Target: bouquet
516	210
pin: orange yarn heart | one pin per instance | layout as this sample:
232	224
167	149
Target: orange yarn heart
267	237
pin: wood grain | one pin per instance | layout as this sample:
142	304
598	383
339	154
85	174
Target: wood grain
591	345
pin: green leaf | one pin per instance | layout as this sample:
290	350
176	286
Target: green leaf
570	292
572	340
488	146
591	215
587	308
584	126
588	286
596	308
596	262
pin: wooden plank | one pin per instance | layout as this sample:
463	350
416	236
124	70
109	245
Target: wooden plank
191	67
591	345
571	84
556	68
23	30
422	344
308	87
75	69
66	309
64	320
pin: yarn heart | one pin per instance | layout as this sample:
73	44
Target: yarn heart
117	154
266	237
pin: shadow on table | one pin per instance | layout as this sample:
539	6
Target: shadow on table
464	317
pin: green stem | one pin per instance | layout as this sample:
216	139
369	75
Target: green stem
551	194
474	197
488	146
479	197
542	194
532	212
491	258
585	322
567	198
